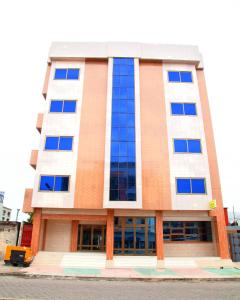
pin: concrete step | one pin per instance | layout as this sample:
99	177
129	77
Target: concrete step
84	260
134	261
44	258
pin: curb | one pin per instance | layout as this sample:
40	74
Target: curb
143	279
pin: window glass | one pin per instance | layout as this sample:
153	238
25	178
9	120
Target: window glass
61	183
56	106
173	76
190	109
198	186
65	143
73	74
194	146
186	76
177	108
60	74
180	146
51	143
46	183
183	186
69	106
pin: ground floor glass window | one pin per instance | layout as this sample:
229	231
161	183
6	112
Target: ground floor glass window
134	235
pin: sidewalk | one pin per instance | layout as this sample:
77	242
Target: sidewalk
232	273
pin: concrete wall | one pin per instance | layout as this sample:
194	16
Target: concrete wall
186	165
8	235
57	124
58	236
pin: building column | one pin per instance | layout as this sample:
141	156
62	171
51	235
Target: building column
44	234
221	233
74	236
159	235
110	234
37	218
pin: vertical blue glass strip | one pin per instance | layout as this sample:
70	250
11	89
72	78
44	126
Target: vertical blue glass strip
123	148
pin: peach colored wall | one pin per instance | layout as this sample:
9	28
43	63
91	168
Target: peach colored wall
189	249
33	158
218	213
46	80
155	156
90	165
39	122
27	202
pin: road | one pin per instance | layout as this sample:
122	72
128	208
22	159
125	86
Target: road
25	288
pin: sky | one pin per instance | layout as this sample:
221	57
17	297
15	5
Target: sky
29	27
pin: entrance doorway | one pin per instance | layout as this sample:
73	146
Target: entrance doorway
91	237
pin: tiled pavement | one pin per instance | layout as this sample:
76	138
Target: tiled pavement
131	273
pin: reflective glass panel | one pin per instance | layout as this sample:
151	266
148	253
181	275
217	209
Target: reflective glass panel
186	76
190	109
198	186
69	106
60	74
173	76
56	106
183	186
51	143
65	143
61	183
46	183
73	74
180	146
194	146
177	108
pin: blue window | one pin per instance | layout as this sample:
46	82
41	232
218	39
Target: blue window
191	186
123	169
54	183
186	76
187	146
179	76
180	146
177	108
58	143
187	109
173	76
69	74
194	146
190	109
60	74
69	106
66	106
73	74
51	143
46	183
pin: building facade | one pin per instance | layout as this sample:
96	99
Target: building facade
6	213
127	162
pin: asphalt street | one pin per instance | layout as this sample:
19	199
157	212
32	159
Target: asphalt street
71	289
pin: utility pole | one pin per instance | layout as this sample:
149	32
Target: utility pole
234	215
18	209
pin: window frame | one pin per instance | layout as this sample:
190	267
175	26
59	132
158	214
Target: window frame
180	81
66	73
53	191
191	193
58	150
62	112
183	103
186	139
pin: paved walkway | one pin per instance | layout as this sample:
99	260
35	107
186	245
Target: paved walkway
127	273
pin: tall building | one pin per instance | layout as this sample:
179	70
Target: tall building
127	162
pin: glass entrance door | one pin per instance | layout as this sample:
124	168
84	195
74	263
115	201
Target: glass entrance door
91	237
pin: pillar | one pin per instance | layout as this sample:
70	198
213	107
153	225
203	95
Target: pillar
159	235
110	234
74	236
37	216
